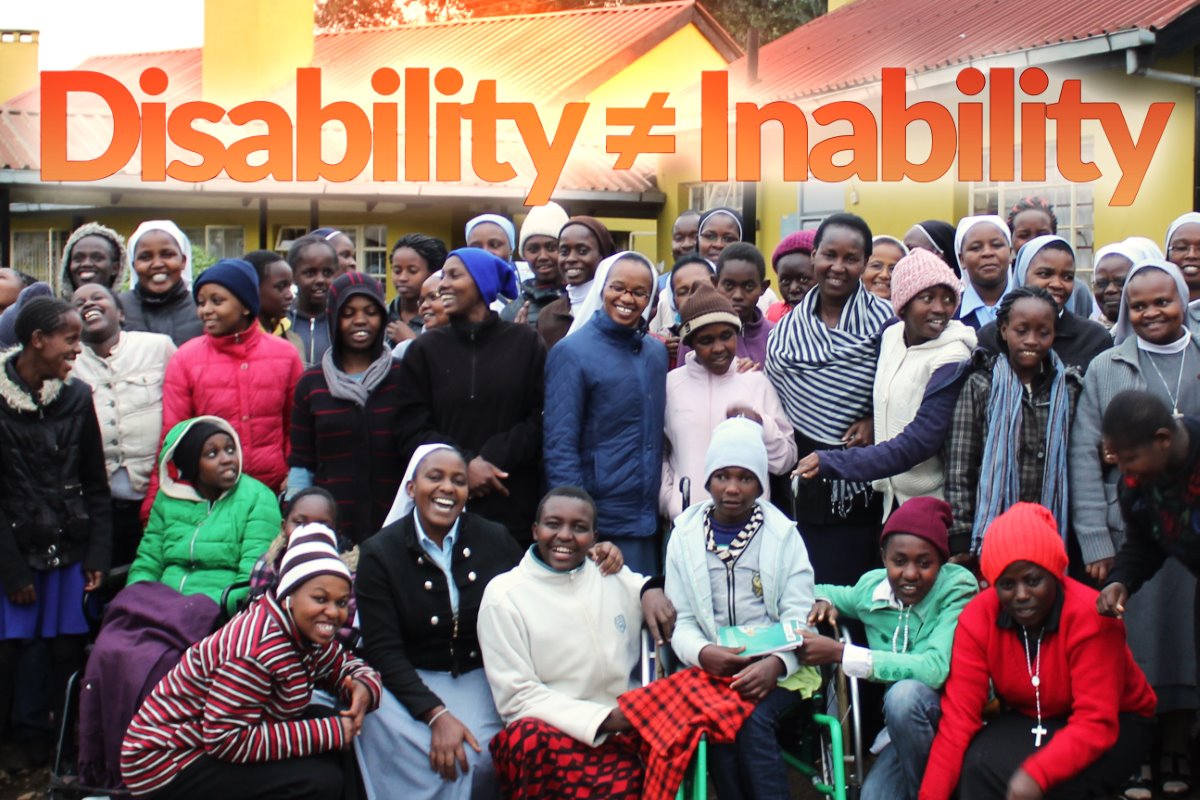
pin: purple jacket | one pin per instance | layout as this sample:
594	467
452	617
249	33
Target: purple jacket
751	344
147	628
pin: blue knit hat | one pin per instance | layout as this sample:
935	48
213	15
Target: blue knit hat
235	275
492	275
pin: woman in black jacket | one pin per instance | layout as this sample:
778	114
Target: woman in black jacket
477	384
55	508
344	419
160	300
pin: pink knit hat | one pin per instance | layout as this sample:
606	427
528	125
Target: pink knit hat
798	242
918	271
1025	532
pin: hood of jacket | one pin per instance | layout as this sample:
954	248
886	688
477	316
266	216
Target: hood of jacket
168	483
345	287
65	284
16	393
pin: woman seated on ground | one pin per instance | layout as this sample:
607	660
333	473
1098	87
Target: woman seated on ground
419	586
910	609
557	663
1076	716
209	522
232	719
736	560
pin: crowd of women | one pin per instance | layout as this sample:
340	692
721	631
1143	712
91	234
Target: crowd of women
382	548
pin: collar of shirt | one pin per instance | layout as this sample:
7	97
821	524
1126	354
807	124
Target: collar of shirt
441	555
972	302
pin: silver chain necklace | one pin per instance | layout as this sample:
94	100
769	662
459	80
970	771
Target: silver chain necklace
1034	667
1178	383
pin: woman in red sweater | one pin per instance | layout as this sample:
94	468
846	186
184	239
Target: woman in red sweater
1076	711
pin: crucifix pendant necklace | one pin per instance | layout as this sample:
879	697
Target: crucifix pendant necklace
1034	667
1178	384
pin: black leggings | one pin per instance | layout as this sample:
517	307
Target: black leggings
1005	742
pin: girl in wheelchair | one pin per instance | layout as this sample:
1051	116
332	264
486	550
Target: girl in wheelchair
736	560
910	609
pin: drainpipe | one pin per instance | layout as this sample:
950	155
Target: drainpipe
750	190
1133	67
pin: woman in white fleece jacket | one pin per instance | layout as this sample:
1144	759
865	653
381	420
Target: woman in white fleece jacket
559	642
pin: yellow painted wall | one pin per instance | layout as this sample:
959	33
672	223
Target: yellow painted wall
252	47
18	63
671	66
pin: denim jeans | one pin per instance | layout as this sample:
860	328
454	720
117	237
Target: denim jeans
911	710
752	767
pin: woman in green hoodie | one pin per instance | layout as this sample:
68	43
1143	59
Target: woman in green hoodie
209	522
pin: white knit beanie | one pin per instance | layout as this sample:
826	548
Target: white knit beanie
737	442
545	220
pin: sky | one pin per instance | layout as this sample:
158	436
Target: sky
72	30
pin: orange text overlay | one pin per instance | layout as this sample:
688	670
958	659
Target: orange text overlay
258	140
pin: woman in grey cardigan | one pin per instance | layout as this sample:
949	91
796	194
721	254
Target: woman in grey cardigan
1155	352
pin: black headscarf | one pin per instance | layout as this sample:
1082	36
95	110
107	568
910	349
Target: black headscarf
942	235
190	445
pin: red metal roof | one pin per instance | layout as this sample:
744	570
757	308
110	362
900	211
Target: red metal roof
851	45
542	58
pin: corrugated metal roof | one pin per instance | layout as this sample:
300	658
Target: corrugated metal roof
851	45
542	58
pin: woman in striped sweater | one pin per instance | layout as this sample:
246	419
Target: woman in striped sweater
232	719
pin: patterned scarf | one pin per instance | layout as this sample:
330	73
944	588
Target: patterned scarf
999	483
824	376
729	555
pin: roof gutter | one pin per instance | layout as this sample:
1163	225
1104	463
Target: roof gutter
1133	67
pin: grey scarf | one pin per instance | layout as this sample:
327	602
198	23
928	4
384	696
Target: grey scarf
344	387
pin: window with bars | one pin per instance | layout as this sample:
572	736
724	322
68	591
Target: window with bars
370	246
703	196
38	253
1073	205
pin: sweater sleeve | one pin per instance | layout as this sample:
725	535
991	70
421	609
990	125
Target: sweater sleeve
796	592
1140	556
294	370
920	440
931	664
964	454
93	478
522	443
303	435
414	405
384	639
516	687
843	598
336	665
565	419
1089	504
177	405
778	435
963	699
235	727
688	638
1097	683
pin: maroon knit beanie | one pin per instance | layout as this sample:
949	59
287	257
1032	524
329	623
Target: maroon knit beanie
924	517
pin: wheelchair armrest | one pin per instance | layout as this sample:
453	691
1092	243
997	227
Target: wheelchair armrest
226	611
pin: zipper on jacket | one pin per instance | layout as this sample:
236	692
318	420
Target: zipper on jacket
312	338
192	547
730	586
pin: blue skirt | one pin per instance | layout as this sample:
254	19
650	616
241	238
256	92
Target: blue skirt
393	748
57	611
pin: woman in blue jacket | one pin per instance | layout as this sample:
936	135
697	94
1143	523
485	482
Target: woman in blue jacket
605	399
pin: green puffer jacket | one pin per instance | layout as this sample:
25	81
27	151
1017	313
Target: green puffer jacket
197	547
929	628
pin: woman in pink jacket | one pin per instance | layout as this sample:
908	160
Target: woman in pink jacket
705	390
236	372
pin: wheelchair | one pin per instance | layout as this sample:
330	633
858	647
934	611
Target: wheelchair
64	782
822	740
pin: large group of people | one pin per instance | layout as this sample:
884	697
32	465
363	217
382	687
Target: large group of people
409	547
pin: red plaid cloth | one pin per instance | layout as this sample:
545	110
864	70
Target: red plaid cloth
534	759
671	714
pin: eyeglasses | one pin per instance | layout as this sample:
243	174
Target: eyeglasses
619	290
1101	285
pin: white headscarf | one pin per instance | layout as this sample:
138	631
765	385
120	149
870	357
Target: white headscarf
1128	248
1122	330
966	223
1032	248
666	303
402	506
170	229
595	299
1183	219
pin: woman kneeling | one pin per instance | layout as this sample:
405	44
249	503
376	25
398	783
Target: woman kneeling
1077	711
